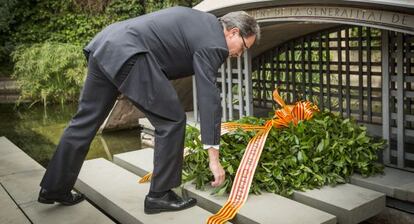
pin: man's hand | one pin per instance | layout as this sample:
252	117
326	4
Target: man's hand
215	167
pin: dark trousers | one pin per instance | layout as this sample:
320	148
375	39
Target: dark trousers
144	83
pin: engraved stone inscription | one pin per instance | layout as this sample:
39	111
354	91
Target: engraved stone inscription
337	13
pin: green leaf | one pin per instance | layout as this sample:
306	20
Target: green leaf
230	170
320	146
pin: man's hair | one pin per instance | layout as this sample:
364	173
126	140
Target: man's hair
240	19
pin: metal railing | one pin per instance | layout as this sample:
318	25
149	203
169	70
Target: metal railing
344	70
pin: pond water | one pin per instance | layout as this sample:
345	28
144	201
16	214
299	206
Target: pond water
37	131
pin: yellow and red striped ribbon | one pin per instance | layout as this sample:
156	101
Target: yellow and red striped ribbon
231	126
146	178
243	179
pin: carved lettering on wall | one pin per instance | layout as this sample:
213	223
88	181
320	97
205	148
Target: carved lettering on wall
337	13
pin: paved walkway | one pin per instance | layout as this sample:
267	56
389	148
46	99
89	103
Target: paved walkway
20	176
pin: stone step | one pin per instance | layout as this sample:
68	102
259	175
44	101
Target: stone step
118	192
348	202
20	176
10	98
9	91
394	183
265	208
9	212
8	84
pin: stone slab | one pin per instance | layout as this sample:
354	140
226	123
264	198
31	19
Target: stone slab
22	180
13	160
138	162
405	192
23	186
7	147
349	203
16	163
394	183
117	191
9	212
265	208
83	213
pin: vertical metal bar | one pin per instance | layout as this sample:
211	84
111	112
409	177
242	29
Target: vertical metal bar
328	71
293	71
369	81
259	80
385	94
223	92
267	81
408	72
287	72
195	105
256	69
272	69
263	81
277	68
360	76
240	84
400	102
393	72
321	103
310	68
340	103
302	65
248	82
229	88
348	78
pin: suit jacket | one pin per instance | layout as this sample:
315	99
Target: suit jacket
183	42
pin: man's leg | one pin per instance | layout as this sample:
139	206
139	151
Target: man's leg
96	100
158	100
168	150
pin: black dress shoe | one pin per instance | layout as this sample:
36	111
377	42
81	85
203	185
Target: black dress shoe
68	199
169	202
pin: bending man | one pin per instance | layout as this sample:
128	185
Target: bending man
138	57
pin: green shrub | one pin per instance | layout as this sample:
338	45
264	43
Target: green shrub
6	19
66	22
50	72
325	150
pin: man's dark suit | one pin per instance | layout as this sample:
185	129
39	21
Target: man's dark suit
137	57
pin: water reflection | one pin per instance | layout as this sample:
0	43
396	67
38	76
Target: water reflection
37	130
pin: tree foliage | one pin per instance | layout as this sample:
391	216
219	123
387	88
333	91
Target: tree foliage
34	26
6	19
49	72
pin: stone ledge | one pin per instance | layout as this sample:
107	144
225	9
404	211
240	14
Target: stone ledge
20	175
9	212
394	183
349	203
255	210
118	192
